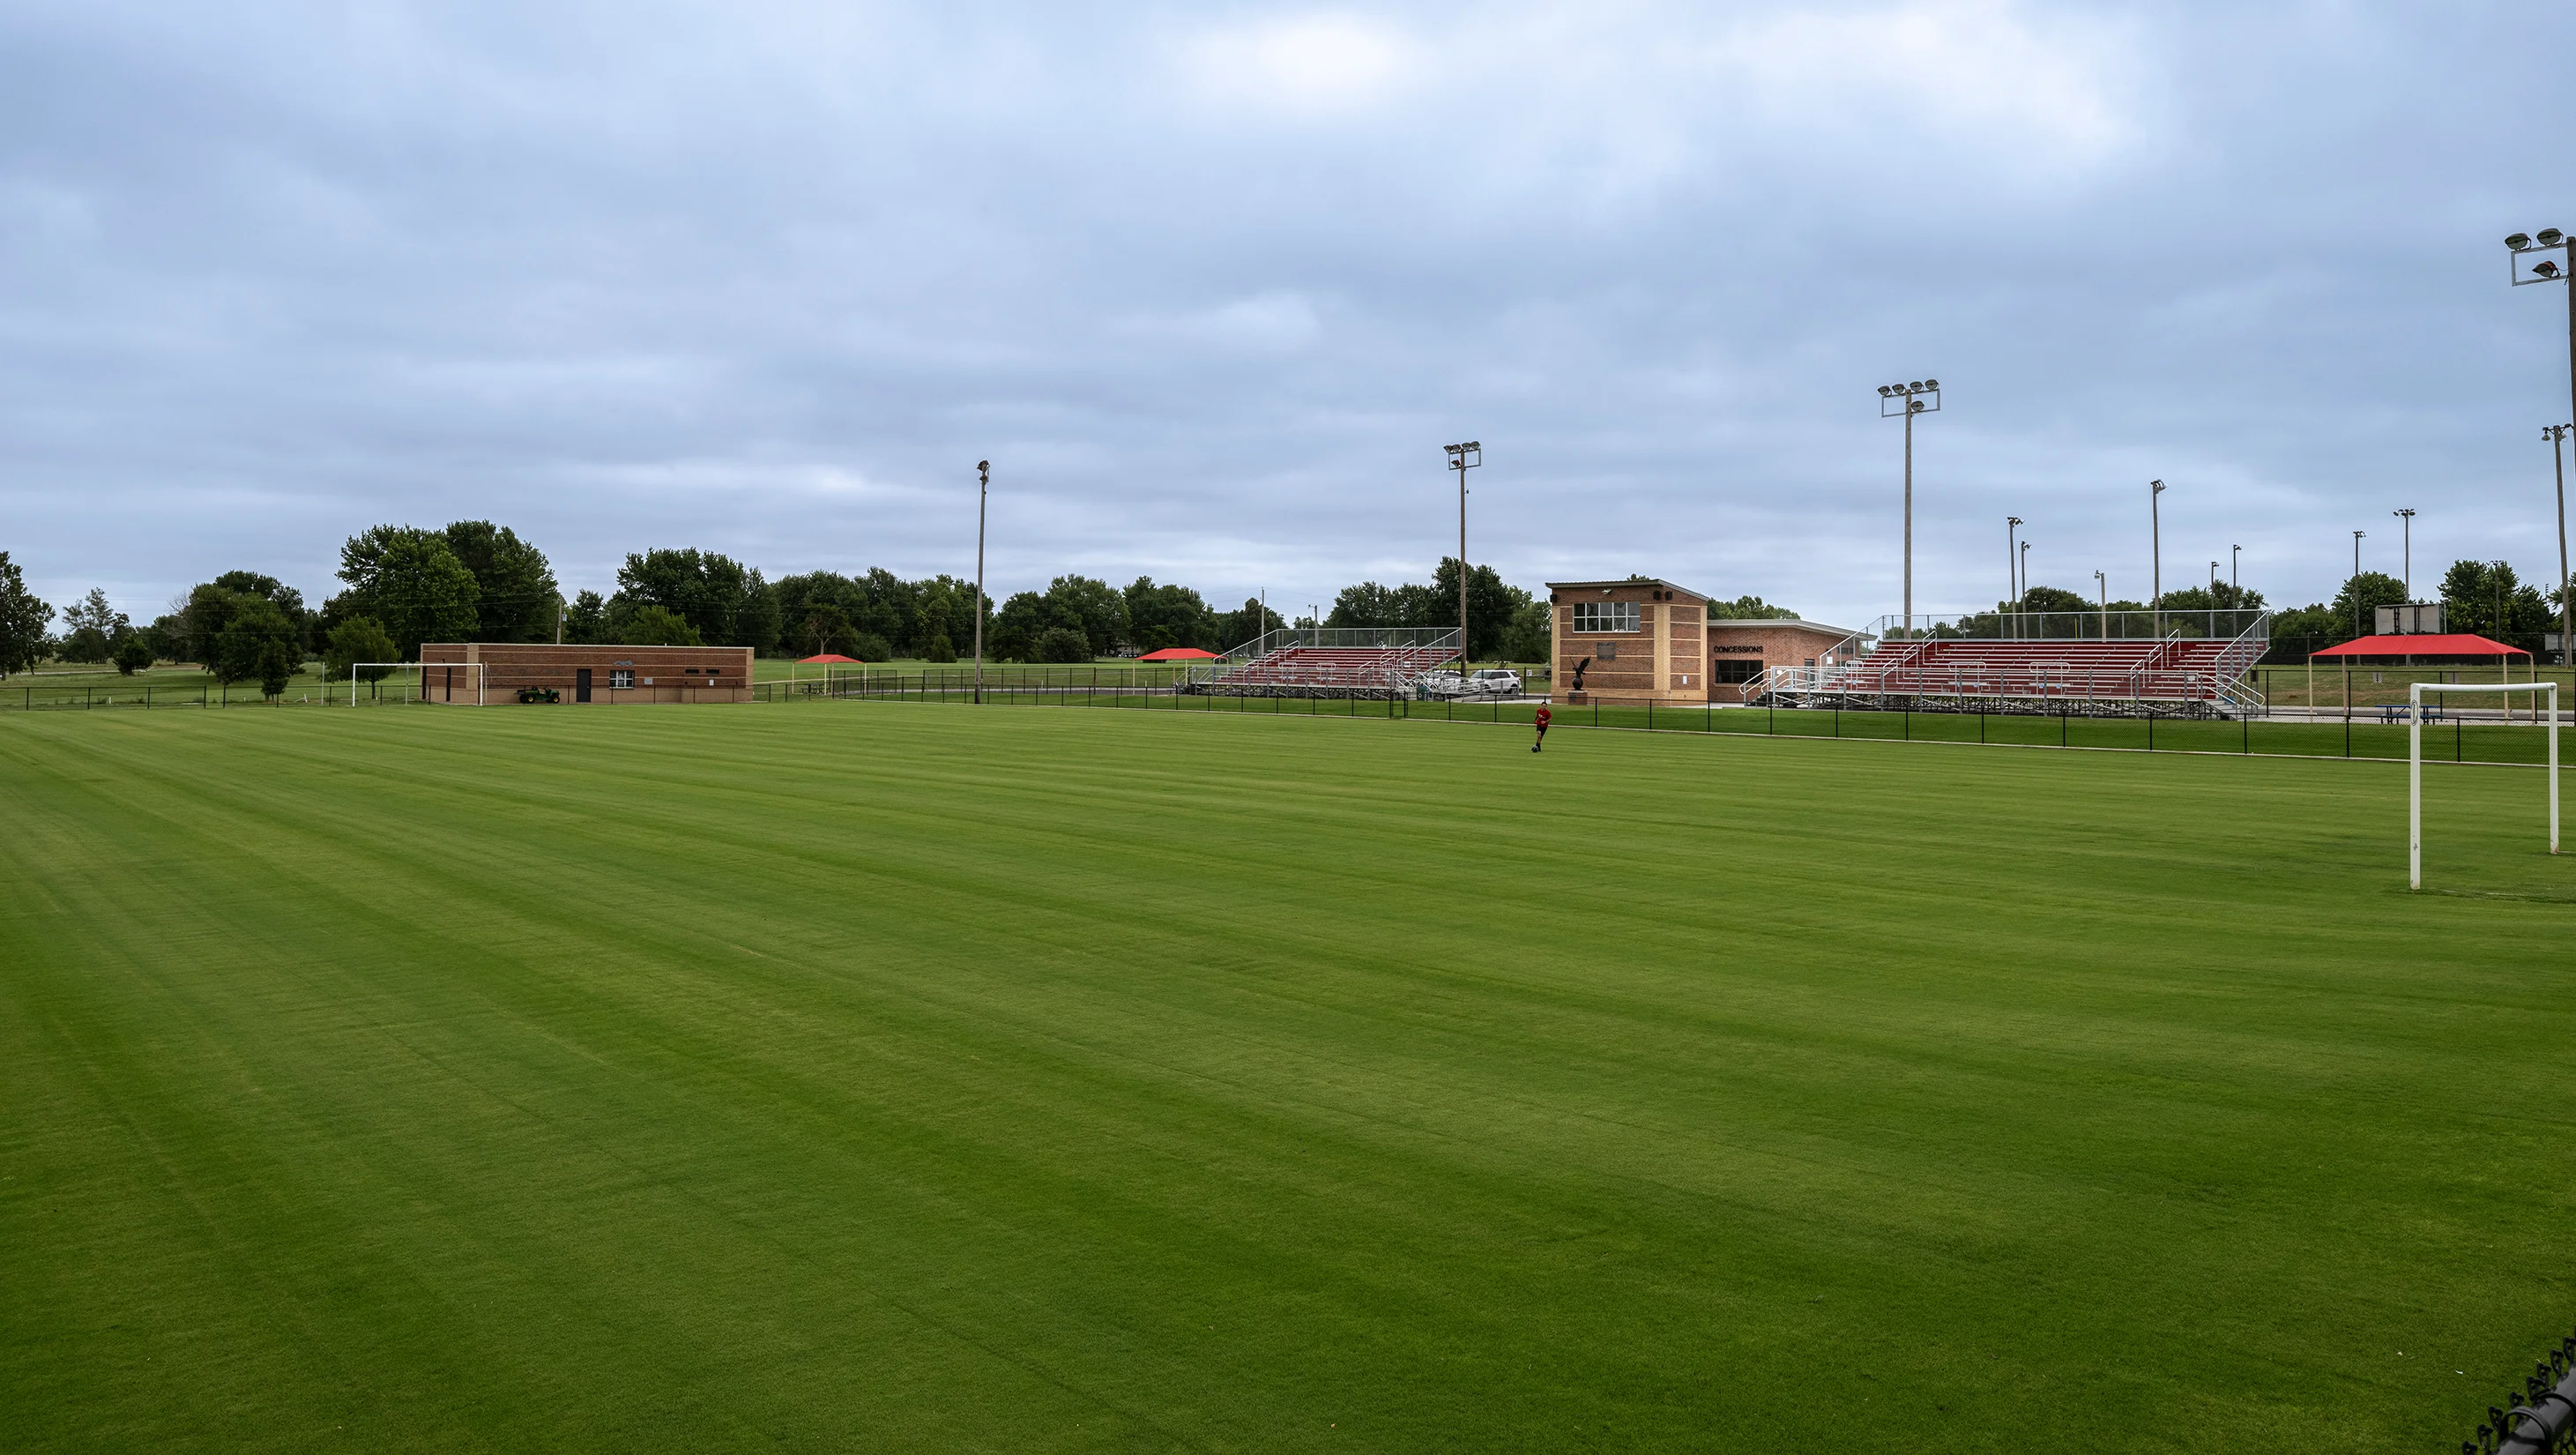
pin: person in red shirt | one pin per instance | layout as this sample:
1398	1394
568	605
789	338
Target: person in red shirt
1541	720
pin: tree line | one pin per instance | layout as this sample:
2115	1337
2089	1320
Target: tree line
474	580
2484	598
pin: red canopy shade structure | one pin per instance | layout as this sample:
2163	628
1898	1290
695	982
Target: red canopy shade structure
1179	654
831	657
2427	644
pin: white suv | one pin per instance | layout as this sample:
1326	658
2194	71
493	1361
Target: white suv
1494	682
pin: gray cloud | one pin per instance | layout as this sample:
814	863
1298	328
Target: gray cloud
1211	287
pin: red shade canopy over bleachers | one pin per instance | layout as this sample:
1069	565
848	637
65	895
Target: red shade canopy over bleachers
1178	654
2427	644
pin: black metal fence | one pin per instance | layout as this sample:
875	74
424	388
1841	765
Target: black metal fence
2542	1420
2359	736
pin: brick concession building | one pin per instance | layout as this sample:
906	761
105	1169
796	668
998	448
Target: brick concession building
583	674
1651	641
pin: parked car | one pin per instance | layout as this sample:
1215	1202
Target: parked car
1484	682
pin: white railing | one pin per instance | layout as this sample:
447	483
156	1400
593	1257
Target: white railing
1369	659
1931	664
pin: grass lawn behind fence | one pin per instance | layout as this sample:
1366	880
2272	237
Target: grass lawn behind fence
904	1076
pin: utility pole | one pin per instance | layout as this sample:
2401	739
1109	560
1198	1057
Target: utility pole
2102	584
2025	571
1463	458
2012	581
1923	396
2156	545
983	488
2566	598
2407	561
2545	270
2235	555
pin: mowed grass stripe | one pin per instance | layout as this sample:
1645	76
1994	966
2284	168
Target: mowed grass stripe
912	1076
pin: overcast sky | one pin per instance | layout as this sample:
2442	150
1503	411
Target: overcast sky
1211	285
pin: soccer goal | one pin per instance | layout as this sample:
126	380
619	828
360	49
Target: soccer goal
449	685
2415	760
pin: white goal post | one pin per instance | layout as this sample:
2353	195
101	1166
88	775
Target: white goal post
420	687
2415	761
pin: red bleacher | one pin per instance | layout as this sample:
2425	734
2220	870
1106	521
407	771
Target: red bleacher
2195	669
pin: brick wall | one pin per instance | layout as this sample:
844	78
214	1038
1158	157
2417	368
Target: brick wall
659	674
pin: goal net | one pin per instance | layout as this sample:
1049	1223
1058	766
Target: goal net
429	681
2415	759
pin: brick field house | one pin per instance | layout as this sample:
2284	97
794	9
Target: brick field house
1647	640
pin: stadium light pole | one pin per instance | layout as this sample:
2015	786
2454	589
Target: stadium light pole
2566	599
983	488
2012	582
2356	583
1923	396
2025	570
2545	270
2156	554
2406	558
2102	584
1463	458
2235	583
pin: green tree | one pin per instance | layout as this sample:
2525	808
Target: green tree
209	610
1094	610
93	628
1527	639
514	587
409	580
659	626
586	620
356	641
1017	627
256	637
2487	598
133	654
23	619
1367	604
825	628
1062	644
869	647
1251	620
1167	616
2360	597
1749	608
728	604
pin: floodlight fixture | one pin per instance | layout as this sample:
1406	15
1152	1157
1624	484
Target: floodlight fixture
2551	237
2518	241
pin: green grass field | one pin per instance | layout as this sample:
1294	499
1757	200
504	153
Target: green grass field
896	1076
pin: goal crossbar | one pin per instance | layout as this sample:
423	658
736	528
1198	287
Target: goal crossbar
420	688
2415	762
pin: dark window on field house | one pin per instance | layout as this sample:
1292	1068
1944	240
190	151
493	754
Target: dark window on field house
1727	670
1605	616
